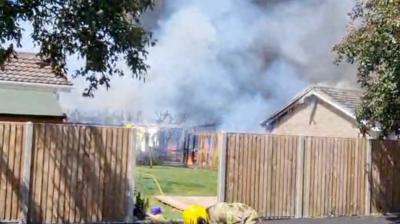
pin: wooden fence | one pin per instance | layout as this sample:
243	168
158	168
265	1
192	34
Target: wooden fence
54	173
295	176
11	162
334	177
385	176
261	167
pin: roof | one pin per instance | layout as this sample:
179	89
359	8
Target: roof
349	99
28	68
29	102
345	100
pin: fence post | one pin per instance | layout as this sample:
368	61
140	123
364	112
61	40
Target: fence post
221	166
131	176
300	177
368	178
26	171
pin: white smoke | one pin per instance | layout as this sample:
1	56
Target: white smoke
231	61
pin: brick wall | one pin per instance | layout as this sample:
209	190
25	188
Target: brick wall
319	120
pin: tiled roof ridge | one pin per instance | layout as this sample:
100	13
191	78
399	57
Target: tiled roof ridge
336	88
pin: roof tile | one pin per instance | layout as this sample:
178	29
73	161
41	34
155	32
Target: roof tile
27	68
347	98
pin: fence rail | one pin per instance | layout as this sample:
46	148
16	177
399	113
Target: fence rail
65	173
296	176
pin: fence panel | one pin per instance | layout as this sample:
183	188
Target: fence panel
261	172
11	162
79	173
334	177
385	191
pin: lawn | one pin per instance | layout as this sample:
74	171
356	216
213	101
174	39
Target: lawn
175	181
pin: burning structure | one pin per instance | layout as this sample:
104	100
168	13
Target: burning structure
173	144
157	144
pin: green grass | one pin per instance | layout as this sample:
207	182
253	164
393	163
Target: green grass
175	181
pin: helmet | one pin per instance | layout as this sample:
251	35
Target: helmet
195	214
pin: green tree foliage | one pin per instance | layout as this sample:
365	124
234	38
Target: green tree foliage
373	44
101	32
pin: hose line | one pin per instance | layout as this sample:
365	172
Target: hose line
155	181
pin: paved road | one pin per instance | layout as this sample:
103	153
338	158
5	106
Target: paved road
342	220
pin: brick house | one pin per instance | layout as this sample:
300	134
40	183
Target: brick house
318	111
29	91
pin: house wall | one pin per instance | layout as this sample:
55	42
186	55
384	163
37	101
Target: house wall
29	118
320	119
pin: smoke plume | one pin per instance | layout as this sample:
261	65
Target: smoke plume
230	61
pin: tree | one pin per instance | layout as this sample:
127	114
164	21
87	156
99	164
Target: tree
100	32
373	44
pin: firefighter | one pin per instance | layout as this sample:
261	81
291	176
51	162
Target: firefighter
220	213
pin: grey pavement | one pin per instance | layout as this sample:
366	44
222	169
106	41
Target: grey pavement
341	220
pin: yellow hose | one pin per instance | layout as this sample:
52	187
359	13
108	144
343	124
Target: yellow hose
155	181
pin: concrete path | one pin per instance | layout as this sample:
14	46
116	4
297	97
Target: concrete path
342	220
181	202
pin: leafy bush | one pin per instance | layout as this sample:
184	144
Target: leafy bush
141	206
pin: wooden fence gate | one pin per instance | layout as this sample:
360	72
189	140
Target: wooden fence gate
295	176
57	173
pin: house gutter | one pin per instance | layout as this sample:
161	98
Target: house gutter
334	104
273	116
38	86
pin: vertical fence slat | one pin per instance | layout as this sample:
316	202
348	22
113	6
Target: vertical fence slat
299	176
6	160
256	196
222	166
246	176
15	169
2	174
283	177
269	165
313	177
263	174
131	174
26	170
10	172
275	182
237	169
